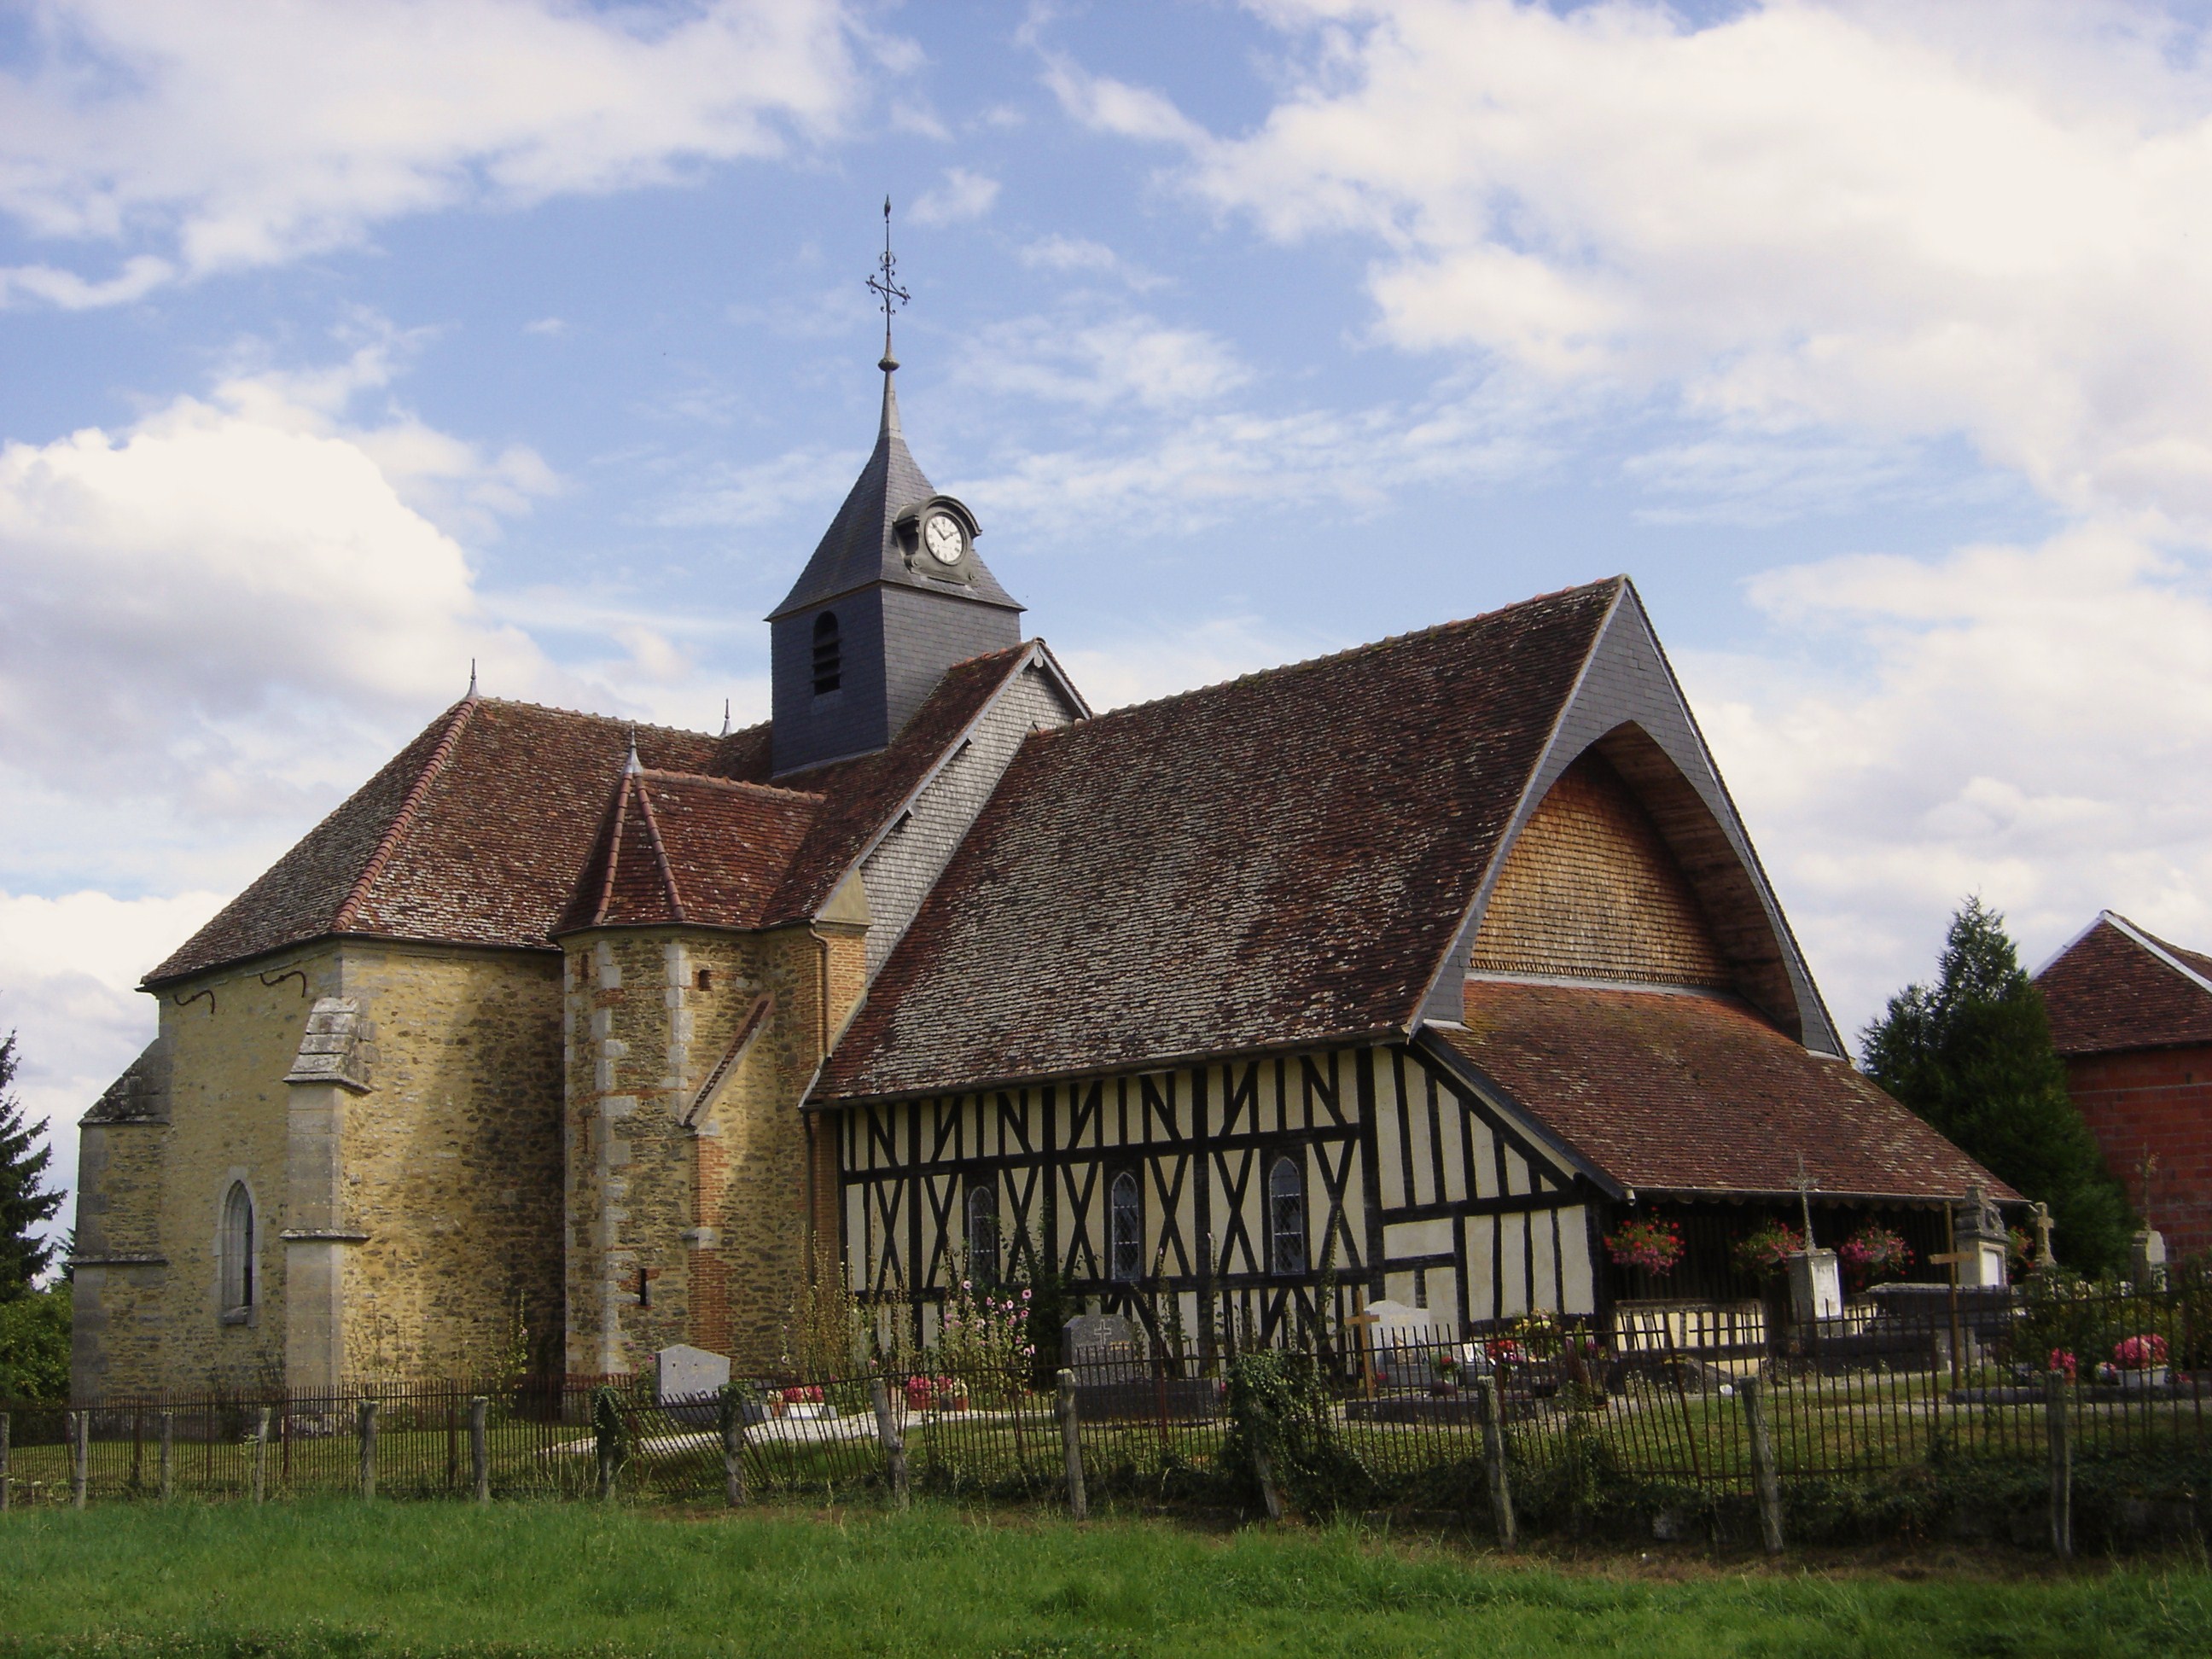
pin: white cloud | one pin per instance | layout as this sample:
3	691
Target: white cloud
1909	221
2029	723
1105	365
1105	105
231	136
1080	255
67	968
963	195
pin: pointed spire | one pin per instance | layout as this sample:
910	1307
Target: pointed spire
726	717
472	679
631	767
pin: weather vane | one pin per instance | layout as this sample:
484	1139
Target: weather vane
886	286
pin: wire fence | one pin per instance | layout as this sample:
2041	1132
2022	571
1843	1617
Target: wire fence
1653	1396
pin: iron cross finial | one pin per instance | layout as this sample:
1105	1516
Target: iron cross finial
886	286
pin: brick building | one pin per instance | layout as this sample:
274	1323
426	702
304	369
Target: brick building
2132	1017
1403	972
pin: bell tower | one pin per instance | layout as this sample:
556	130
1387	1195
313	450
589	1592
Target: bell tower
893	596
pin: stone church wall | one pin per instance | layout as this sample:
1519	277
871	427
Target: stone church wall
688	1216
451	1163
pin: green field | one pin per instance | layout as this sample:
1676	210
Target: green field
332	1579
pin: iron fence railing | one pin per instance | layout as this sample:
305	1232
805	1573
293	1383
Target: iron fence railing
1651	1394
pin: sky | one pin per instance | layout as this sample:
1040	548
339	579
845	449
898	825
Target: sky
344	343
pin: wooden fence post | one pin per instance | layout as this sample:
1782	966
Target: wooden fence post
260	1453
480	1447
168	1474
367	1420
1765	1480
3	1461
1071	1444
81	1458
1493	1461
894	1439
2062	1465
734	1493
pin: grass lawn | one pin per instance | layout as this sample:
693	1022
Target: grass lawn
335	1578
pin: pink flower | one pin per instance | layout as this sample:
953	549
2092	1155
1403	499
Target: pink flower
2062	1361
2139	1353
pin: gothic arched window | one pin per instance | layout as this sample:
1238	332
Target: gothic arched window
1125	1218
1286	1217
983	1235
235	1252
828	654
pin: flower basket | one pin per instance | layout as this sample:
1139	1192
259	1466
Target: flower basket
1765	1252
2141	1361
1646	1244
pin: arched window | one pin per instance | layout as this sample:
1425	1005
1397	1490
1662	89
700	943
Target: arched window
983	1235
828	654
236	1254
1124	1214
1286	1217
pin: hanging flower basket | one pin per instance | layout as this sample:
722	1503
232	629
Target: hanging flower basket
1645	1243
1874	1255
1765	1252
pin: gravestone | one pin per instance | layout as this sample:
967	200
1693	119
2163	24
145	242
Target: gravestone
689	1376
1816	1286
2147	1268
1979	1227
1115	1381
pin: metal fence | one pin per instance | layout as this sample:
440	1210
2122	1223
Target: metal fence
1652	1397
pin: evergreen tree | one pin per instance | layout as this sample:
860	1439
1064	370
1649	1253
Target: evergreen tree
1972	1054
24	1203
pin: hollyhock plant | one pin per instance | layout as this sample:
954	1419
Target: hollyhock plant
1647	1243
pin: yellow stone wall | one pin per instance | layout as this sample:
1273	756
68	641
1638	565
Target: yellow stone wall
452	1167
452	1161
688	1227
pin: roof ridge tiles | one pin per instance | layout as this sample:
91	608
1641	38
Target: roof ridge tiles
1366	647
734	786
636	779
620	719
404	820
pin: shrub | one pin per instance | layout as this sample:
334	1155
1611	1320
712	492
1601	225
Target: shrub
34	1345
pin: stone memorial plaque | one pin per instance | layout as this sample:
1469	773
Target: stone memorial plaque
685	1372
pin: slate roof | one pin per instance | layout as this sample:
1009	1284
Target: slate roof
1284	859
2117	986
859	548
477	831
1681	1092
692	851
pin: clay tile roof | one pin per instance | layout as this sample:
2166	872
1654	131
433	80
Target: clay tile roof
1282	859
703	852
477	831
1691	1093
2117	986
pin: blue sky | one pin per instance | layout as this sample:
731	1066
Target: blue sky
344	343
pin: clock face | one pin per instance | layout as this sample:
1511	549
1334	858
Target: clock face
940	534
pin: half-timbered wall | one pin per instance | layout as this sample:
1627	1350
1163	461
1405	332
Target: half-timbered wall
1591	891
1409	1185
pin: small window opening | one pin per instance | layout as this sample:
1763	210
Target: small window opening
828	654
236	1266
1126	1218
983	1235
1286	1215
705	979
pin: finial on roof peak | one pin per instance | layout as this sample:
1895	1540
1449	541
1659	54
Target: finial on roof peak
726	717
472	679
885	287
632	764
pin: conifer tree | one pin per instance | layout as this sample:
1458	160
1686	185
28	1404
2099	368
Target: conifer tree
1972	1054
24	1203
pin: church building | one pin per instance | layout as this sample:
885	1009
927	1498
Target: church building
1406	973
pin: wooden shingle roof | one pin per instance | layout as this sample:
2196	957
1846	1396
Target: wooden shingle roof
1283	858
478	831
1689	1093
